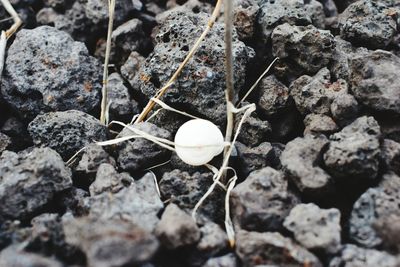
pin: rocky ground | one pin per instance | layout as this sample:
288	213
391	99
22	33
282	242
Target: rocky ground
318	162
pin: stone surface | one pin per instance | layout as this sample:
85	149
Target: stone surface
139	203
315	94
391	155
66	131
354	152
368	23
16	257
352	255
5	141
305	48
139	154
388	229
376	203
122	106
315	228
271	249
273	96
46	70
185	190
29	181
302	160
200	87
262	201
244	18
131	67
254	131
177	228
109	180
319	124
344	108
111	242
375	80
228	260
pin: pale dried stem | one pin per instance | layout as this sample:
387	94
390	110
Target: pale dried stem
192	51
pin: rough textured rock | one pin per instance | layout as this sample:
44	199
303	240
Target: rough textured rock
139	154
273	96
74	201
374	204
305	48
354	152
5	141
122	106
315	94
139	203
352	256
244	18
275	13
131	67
255	158
368	23
177	228
16	130
344	108
272	249
109	180
46	16
388	229
391	155
375	80
46	70
228	260
254	131
110	242
16	257
315	228
301	159
200	87
250	213
185	190
66	131
29	180
319	124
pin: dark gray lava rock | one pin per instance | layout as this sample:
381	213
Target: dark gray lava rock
368	23
66	131
301	159
185	190
354	152
92	157
375	80
273	96
352	256
228	260
131	67
374	204
255	158
5	141
29	180
244	18
275	13
262	201
16	130
315	94
319	124
139	154
139	203
200	87
122	106
111	242
305	48
254	131
46	16
46	70
315	228
388	229
344	108
109	180
177	228
16	257
391	155
74	201
272	249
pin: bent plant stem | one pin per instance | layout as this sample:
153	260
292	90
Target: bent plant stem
104	91
192	51
229	91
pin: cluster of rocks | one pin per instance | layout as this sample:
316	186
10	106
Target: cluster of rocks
318	163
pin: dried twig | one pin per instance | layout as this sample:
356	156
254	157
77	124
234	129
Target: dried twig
192	51
104	91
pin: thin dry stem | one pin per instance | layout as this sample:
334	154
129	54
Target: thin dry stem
17	21
192	51
104	91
